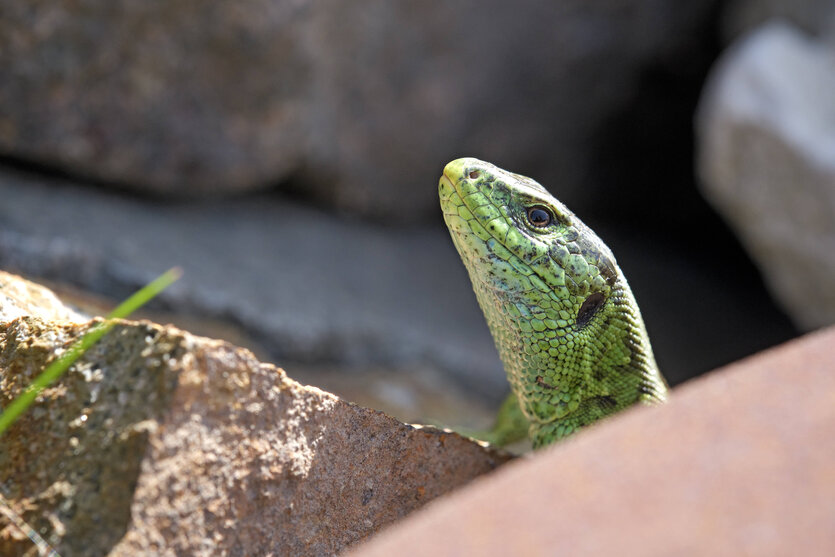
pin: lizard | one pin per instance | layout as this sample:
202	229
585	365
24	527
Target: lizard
563	317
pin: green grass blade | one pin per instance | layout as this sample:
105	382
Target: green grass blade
57	367
146	293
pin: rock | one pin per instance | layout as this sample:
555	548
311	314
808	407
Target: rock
767	161
183	99
308	287
362	103
743	16
337	293
160	442
738	463
19	297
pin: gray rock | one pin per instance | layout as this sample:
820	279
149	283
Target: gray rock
743	16
185	98
330	292
766	130
159	442
363	103
308	286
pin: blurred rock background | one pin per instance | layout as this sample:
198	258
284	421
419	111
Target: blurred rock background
286	155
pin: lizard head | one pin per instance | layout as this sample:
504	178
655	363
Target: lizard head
561	313
516	237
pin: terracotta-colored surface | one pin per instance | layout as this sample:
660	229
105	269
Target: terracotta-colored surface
741	462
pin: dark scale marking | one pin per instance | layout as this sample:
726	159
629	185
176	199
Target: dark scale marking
607	271
541	382
589	248
589	308
606	402
645	389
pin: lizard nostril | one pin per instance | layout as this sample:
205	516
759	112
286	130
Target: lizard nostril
475	174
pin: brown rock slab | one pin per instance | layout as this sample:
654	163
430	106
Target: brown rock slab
739	463
161	442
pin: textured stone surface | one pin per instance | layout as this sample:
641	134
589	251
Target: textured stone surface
158	441
738	463
362	101
767	158
20	297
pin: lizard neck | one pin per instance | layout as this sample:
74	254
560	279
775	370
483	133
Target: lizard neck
565	373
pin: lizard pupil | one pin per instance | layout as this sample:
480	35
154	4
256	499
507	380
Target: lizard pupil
539	217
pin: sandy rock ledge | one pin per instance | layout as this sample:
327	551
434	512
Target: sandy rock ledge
160	442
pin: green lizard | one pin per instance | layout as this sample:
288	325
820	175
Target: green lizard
561	313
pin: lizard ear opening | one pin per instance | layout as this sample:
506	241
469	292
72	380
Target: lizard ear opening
589	308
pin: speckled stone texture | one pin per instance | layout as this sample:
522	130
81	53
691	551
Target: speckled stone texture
160	442
739	462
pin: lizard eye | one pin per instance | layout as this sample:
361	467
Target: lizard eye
539	217
475	174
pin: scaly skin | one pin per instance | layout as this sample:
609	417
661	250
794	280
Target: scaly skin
563	317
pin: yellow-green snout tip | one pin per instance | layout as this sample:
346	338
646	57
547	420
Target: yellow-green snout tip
452	175
454	170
